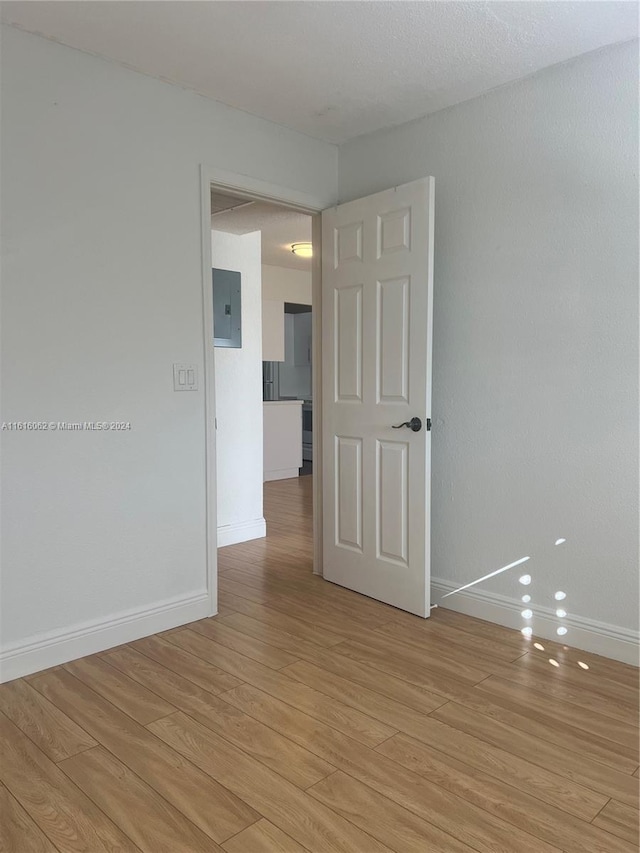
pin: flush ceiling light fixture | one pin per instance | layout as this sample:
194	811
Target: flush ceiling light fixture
303	250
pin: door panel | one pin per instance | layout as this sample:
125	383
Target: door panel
393	340
347	243
348	480
348	340
394	231
393	501
377	304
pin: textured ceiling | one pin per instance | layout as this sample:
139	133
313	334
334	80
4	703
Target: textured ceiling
280	228
333	70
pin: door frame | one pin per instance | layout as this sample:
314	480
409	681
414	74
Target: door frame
255	189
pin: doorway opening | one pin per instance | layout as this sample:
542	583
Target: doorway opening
264	365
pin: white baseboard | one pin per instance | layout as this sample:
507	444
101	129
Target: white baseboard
54	648
281	474
243	531
599	638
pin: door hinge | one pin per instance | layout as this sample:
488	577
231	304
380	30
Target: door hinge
428	424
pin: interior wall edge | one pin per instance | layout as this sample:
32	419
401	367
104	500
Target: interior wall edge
242	531
599	638
60	647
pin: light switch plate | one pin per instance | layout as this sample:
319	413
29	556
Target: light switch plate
185	377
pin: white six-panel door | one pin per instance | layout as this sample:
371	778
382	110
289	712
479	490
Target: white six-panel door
377	293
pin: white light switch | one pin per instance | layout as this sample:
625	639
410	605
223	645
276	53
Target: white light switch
185	377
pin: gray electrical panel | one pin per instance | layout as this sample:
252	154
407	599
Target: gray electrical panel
227	325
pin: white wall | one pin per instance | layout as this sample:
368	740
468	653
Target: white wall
272	330
239	398
535	394
104	533
286	284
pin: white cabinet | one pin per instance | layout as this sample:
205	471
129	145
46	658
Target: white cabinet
282	437
302	339
272	330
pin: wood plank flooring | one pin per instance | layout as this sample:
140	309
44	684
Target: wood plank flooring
305	717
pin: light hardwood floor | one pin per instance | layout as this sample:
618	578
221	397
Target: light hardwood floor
305	717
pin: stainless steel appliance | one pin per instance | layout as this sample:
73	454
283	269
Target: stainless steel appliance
307	430
270	380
